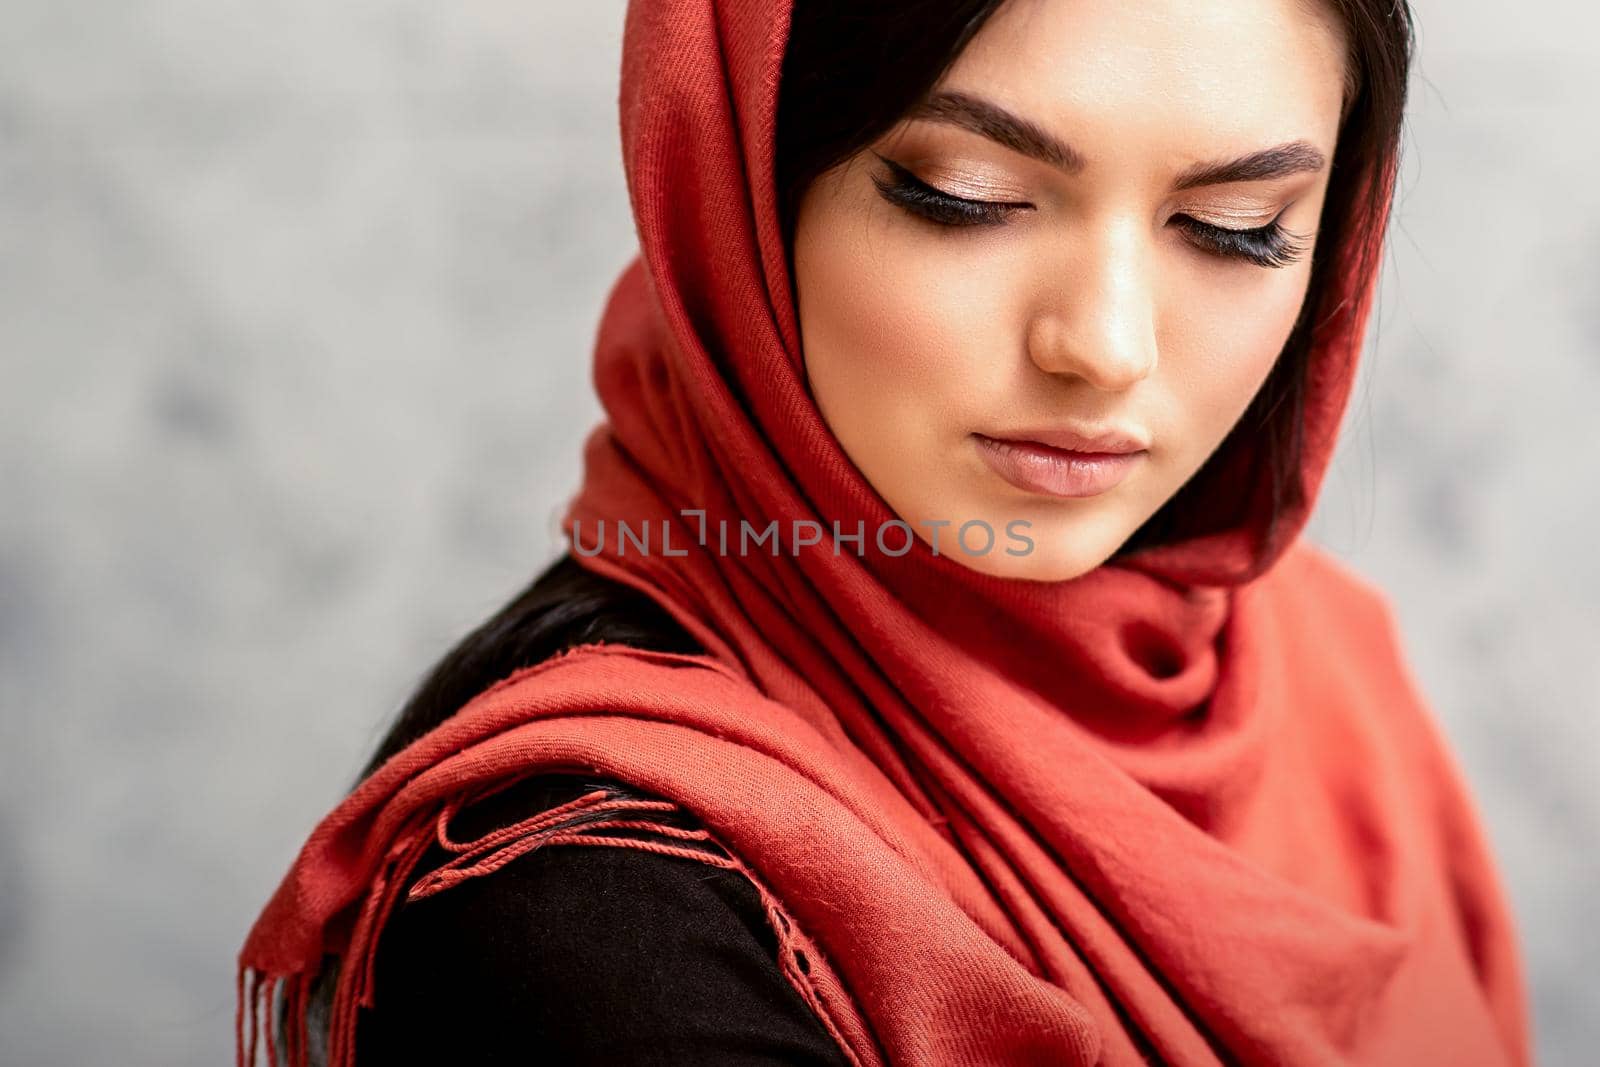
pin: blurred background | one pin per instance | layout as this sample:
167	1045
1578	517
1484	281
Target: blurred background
296	305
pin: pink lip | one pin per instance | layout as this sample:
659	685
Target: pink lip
1039	468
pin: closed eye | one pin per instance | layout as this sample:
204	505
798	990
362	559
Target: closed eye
1266	246
906	190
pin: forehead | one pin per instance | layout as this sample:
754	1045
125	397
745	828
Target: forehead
1110	74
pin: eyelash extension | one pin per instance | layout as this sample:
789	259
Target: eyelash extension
921	199
1266	246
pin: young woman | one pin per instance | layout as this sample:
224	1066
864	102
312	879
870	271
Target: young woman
937	675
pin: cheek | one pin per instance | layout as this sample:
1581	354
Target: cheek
898	327
1224	347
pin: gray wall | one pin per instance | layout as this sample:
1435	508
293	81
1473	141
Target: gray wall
295	311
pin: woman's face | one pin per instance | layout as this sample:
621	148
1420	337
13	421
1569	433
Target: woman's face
1050	246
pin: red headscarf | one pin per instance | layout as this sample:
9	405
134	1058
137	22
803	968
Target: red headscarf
1188	807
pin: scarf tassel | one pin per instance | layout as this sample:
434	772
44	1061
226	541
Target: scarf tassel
271	1009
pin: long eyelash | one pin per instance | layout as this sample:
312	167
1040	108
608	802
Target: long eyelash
1266	246
922	199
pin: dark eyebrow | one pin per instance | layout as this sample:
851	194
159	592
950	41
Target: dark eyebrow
1029	138
999	125
1279	161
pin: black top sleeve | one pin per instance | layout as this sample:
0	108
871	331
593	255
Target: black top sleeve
585	955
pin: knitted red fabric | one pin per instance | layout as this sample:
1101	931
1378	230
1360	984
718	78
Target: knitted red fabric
1189	808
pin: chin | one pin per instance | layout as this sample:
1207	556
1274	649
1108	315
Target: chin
1041	565
1047	548
1034	539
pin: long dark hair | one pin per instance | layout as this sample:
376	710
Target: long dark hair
840	91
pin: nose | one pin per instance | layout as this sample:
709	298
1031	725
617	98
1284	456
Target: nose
1099	323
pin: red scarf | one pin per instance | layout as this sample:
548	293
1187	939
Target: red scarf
1189	806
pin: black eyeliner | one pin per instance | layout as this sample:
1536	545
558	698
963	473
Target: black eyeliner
1265	246
913	194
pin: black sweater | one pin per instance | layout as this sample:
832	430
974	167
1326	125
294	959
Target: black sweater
585	955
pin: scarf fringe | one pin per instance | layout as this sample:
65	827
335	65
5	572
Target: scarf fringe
272	1008
494	850
271	1015
271	1011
